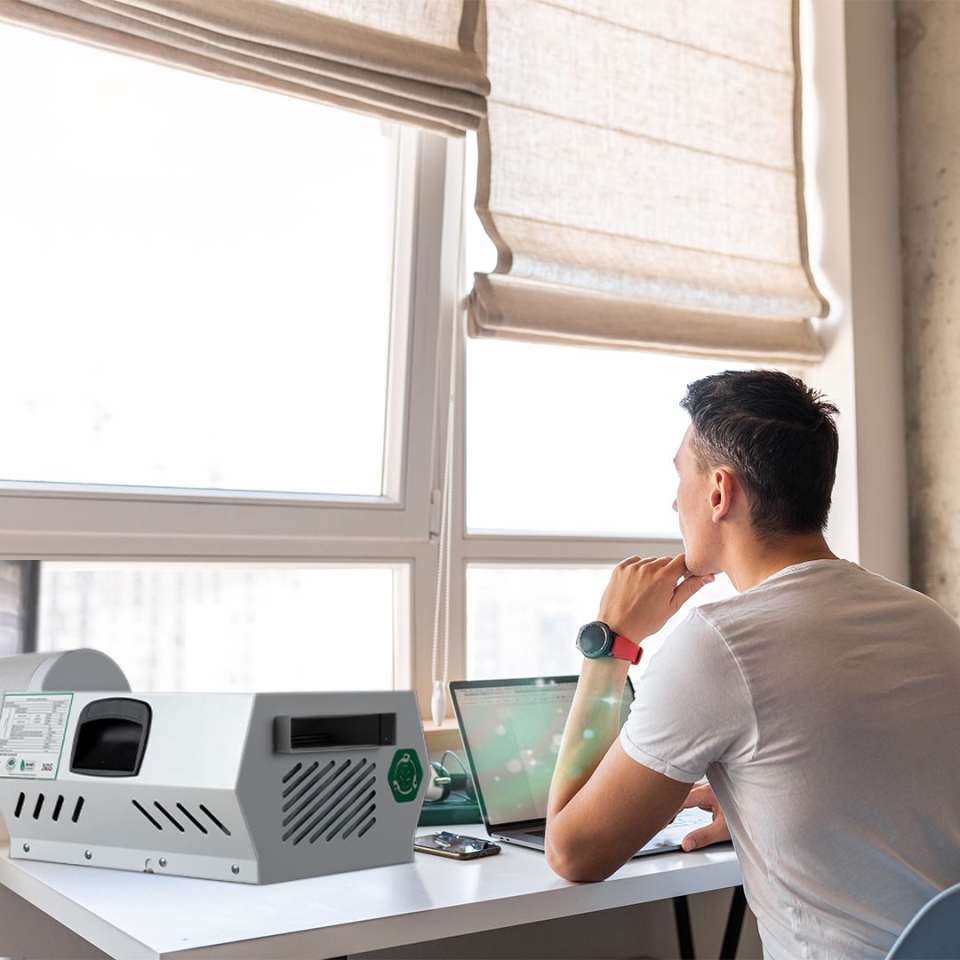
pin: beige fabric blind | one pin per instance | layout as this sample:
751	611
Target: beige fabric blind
639	172
404	60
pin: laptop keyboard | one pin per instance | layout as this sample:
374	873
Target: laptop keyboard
693	816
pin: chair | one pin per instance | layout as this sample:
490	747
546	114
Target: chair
934	933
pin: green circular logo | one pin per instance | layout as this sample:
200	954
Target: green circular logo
12	763
405	776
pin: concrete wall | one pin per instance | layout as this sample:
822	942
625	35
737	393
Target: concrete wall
928	87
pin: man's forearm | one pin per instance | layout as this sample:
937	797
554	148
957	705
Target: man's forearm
593	724
594	779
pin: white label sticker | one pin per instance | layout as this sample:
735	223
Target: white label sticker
32	728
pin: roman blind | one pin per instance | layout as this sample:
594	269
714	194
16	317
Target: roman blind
402	60
640	174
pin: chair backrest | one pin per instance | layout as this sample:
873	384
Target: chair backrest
934	933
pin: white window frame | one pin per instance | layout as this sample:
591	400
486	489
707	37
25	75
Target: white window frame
68	520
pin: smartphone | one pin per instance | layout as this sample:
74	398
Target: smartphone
455	845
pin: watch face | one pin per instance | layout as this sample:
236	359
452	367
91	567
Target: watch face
593	640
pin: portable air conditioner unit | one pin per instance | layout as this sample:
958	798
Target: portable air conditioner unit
253	788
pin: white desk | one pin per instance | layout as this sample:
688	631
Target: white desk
150	916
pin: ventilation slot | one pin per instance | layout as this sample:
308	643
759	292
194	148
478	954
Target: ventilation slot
165	816
192	818
308	801
147	815
339	803
39	805
354	812
168	815
311	789
291	772
214	820
306	781
364	819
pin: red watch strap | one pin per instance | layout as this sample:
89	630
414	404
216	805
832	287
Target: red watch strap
624	649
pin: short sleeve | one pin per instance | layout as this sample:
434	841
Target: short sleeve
692	706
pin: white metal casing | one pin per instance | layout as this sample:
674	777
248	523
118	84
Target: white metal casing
216	798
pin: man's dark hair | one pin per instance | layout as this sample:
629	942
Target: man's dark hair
778	436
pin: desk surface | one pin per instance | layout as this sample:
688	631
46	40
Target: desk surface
138	915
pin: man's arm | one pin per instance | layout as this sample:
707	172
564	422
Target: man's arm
603	805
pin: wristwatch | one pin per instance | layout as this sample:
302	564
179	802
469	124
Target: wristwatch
596	640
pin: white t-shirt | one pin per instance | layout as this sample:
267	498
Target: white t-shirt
824	707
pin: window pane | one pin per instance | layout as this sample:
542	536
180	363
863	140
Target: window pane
196	278
569	440
523	621
239	627
12	614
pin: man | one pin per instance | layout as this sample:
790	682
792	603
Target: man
822	702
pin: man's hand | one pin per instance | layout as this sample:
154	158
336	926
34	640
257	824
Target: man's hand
644	593
703	796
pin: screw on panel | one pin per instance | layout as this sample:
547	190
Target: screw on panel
87	855
26	848
162	861
235	869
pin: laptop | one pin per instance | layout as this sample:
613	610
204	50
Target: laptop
511	732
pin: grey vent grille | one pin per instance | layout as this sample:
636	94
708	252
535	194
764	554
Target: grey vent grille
37	808
329	800
179	818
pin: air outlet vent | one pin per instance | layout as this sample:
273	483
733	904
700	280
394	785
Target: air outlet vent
180	818
38	809
335	799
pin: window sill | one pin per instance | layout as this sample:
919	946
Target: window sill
444	737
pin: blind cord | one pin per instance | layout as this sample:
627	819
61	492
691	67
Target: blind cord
438	699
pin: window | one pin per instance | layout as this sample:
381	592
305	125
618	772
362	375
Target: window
12	625
567	469
231	397
239	628
522	620
571	440
225	330
200	274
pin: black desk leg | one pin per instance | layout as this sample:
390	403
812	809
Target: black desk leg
731	936
681	912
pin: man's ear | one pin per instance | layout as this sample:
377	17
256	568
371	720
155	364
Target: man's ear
723	492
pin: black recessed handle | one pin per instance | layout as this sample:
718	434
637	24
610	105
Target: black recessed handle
311	734
111	738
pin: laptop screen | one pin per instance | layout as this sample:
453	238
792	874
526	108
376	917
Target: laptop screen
511	732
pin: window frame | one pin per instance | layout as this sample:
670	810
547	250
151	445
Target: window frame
51	520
